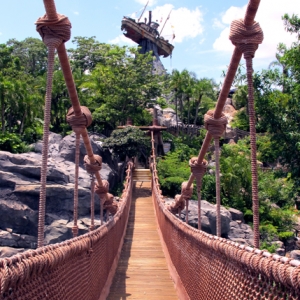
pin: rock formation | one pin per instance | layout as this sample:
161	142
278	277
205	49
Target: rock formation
20	186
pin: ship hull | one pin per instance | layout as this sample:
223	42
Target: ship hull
137	33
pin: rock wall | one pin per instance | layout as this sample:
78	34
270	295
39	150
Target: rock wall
19	193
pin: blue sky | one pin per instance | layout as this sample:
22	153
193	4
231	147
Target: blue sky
200	27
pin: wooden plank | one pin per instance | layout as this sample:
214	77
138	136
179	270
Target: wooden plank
142	271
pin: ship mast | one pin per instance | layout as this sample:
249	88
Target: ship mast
143	10
166	21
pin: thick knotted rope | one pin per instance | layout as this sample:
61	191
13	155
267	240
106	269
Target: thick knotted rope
93	168
79	123
54	30
216	127
247	38
198	171
180	200
111	205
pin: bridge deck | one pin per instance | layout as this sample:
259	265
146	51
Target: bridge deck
142	272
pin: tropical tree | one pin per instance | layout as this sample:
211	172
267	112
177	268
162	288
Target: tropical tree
123	86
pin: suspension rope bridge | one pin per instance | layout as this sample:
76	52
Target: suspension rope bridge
95	266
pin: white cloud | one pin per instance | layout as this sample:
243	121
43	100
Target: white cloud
76	13
218	24
269	16
122	40
151	2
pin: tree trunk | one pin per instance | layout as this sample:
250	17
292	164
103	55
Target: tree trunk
188	120
176	108
197	109
2	113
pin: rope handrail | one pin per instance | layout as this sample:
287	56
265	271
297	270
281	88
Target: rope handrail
250	273
55	31
36	273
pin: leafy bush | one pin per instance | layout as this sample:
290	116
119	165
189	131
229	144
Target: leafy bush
12	142
129	142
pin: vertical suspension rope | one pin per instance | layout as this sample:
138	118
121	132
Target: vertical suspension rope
218	188
216	128
47	112
255	201
246	37
75	212
92	226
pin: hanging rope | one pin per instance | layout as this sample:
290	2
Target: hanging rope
78	124
53	32
92	226
216	127
246	39
182	200
92	169
198	171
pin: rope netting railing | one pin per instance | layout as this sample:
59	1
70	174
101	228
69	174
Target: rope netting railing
83	267
210	267
205	267
79	268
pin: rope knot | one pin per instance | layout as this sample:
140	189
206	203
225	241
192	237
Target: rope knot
215	127
79	123
93	168
102	190
198	169
246	38
110	204
55	31
186	193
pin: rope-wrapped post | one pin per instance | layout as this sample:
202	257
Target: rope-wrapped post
216	128
246	37
198	171
54	30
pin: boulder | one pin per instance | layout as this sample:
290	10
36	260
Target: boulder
236	215
208	216
295	254
20	188
280	251
9	251
241	231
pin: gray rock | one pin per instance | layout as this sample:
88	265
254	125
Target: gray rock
236	215
20	188
279	244
19	217
240	230
280	251
295	254
8	251
208	216
57	232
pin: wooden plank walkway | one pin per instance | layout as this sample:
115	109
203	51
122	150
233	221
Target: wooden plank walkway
142	272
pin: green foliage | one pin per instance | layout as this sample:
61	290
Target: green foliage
241	120
268	246
12	142
128	142
240	97
122	85
173	169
